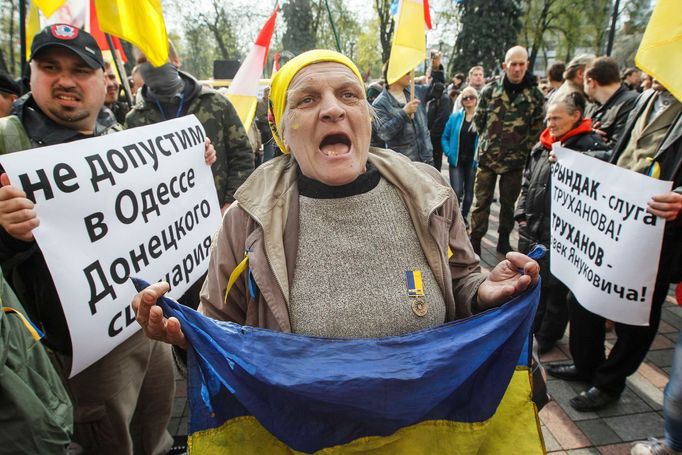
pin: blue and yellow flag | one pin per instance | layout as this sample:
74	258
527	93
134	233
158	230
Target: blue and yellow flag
462	387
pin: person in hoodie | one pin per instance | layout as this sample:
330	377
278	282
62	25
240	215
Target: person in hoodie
566	125
169	93
438	111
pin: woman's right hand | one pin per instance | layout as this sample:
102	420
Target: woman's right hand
150	316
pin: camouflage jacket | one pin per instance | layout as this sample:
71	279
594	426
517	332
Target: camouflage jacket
507	130
234	159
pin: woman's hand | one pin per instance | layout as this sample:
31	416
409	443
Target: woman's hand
510	277
150	316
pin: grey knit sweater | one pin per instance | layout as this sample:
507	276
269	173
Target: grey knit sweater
350	278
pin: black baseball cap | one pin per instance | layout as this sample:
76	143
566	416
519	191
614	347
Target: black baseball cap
76	40
7	85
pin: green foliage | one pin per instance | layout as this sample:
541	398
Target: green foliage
299	36
207	34
346	24
197	54
386	27
220	23
541	19
572	26
488	29
637	14
10	57
595	16
368	56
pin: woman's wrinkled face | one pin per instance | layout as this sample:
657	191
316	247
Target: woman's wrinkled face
559	121
326	123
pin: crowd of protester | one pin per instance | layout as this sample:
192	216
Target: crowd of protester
486	132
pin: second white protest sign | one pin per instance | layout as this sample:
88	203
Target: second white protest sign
605	245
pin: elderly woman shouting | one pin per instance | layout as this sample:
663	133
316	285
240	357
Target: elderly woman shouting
331	229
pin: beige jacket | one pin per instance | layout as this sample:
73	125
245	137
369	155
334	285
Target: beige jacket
263	223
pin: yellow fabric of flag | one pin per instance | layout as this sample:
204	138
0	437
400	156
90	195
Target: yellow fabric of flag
139	22
661	47
32	27
48	7
409	41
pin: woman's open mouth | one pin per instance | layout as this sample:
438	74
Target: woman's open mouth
335	144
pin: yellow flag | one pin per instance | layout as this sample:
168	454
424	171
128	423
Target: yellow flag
409	41
661	47
32	27
137	21
48	7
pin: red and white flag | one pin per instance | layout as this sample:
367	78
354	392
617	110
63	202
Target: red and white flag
275	65
243	91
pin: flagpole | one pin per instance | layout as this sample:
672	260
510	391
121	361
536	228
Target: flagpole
412	88
22	36
121	71
331	21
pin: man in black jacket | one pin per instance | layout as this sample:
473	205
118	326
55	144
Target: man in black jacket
612	100
651	144
438	111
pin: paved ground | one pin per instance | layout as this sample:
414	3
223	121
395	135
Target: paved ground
636	416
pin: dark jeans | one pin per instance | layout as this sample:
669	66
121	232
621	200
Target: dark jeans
552	316
672	403
587	343
462	181
269	150
437	150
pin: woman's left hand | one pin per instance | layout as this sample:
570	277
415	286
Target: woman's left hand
209	152
506	280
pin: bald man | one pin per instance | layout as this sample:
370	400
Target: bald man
508	120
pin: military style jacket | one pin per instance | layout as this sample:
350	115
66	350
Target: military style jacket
507	129
234	159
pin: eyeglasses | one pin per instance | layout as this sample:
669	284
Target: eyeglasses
468	98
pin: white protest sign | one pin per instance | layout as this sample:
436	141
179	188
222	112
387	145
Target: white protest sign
605	245
141	202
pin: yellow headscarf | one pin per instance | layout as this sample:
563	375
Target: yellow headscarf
280	84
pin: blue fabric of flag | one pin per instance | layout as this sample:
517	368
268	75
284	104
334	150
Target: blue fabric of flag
313	392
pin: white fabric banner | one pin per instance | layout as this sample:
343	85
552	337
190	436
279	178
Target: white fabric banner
141	202
605	245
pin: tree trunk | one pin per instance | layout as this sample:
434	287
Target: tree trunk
12	58
386	25
3	64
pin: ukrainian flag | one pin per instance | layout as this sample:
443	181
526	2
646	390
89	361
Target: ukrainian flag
459	388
